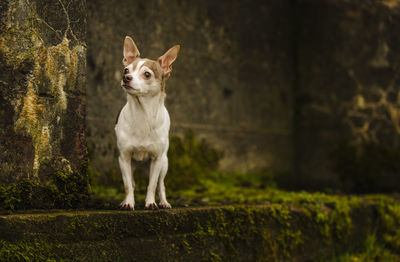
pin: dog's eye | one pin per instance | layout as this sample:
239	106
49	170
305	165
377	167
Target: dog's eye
147	74
126	70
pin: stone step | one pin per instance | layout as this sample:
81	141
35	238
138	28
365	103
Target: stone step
270	232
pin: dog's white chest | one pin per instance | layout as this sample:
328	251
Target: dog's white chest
143	135
143	145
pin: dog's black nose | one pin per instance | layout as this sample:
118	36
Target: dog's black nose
126	78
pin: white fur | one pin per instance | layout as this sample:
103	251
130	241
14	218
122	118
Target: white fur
142	133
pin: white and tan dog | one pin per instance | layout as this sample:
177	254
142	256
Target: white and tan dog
143	124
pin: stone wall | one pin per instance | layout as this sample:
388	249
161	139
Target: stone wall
347	86
42	90
231	83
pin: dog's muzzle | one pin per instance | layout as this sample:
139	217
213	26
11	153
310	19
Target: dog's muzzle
126	79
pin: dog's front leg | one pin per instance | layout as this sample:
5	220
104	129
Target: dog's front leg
155	168
125	163
161	187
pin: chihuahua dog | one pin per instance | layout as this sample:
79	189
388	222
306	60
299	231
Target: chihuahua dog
143	124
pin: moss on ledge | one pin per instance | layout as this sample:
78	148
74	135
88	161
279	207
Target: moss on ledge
314	230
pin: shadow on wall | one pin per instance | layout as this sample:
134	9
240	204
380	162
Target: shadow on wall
348	79
371	168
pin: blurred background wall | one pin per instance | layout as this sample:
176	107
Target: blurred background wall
347	111
306	89
232	82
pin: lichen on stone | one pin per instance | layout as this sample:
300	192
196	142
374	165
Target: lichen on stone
41	108
46	96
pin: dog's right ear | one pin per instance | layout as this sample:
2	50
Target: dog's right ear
131	52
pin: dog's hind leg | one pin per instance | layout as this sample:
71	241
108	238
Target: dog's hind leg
155	169
161	187
129	184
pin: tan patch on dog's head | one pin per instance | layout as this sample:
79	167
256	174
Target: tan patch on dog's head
155	67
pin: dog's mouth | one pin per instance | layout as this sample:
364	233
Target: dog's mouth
128	87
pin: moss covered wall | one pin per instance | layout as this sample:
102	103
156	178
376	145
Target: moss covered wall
42	90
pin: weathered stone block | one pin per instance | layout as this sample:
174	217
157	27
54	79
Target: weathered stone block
42	96
273	232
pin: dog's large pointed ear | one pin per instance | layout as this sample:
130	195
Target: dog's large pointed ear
131	52
167	59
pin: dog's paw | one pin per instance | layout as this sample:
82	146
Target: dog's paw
151	206
165	205
127	205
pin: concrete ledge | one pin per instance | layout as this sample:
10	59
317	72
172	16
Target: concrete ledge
240	233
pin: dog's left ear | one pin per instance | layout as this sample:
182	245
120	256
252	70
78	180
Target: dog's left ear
167	59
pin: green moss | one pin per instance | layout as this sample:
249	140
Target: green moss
372	251
190	160
239	229
389	213
26	194
61	191
274	232
215	257
36	250
289	239
332	217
